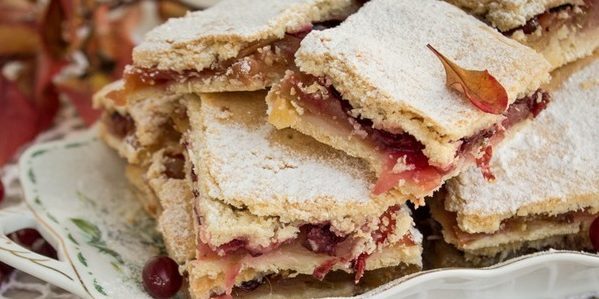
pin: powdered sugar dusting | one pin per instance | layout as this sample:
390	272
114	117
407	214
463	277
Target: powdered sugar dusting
552	158
202	38
249	163
388	69
248	158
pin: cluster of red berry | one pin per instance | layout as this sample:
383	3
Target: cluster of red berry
28	238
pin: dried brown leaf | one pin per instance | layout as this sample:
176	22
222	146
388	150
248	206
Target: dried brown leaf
480	87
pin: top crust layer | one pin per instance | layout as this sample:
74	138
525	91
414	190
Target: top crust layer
380	63
201	38
548	167
245	162
509	14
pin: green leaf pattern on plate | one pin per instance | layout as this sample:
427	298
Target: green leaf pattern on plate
82	259
95	238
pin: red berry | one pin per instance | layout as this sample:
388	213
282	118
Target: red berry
32	240
161	277
26	237
1	191
5	271
594	233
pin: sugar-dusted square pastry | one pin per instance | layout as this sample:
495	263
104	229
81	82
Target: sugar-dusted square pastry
274	202
371	88
561	30
547	179
235	45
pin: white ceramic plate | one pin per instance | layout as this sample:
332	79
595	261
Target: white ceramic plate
78	198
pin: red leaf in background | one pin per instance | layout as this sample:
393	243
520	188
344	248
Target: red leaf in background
79	92
112	39
108	51
50	61
30	102
44	39
16	118
51	29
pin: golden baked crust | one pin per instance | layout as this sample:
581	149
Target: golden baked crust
563	44
509	14
548	167
176	220
390	77
206	276
202	39
521	232
443	255
153	113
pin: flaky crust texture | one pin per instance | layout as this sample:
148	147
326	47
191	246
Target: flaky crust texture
244	162
352	145
207	276
563	45
549	167
390	77
527	230
199	39
509	14
175	223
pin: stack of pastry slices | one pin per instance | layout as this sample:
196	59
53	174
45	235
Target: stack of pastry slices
281	144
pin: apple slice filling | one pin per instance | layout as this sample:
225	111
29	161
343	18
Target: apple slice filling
317	238
400	154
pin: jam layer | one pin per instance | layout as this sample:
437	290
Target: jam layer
580	16
400	154
320	239
513	224
256	61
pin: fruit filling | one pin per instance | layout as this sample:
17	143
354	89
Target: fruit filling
400	154
119	125
258	60
264	61
579	16
513	224
317	238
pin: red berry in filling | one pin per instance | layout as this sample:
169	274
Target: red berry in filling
321	239
174	166
594	233
121	125
161	277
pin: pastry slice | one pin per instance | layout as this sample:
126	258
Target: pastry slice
151	120
276	202
547	181
163	180
561	30
146	133
371	88
235	45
